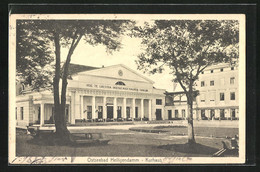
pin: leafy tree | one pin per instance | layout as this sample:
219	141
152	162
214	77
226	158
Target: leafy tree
68	34
33	58
187	47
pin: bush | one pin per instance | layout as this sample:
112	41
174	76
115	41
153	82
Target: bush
145	119
137	119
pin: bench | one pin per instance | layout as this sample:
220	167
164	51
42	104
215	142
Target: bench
229	146
38	132
88	138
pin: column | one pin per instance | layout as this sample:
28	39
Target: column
227	111
104	108
142	109
237	113
115	108
150	110
42	114
199	115
207	113
77	105
217	113
72	109
93	107
133	107
124	108
81	108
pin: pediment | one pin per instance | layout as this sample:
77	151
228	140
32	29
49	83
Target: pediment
120	72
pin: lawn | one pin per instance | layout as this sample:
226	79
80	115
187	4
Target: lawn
182	130
130	143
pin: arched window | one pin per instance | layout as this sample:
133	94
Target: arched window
120	83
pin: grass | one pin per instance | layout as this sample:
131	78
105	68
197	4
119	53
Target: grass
182	130
127	143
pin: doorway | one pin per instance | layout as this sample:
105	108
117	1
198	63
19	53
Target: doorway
127	112
100	112
169	114
158	114
136	112
119	111
110	112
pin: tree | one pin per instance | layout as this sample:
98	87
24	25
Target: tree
68	34
187	47
33	58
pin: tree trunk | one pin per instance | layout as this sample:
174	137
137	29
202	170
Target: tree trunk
62	132
191	138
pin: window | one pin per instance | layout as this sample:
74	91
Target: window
233	113
211	83
222	113
21	111
221	70
202	72
16	113
158	101
120	83
211	71
232	80
222	96
183	113
232	68
202	83
232	96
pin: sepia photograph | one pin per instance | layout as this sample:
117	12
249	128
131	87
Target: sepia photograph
127	88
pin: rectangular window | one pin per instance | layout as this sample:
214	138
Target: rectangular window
202	83
222	96
232	96
221	70
211	83
232	80
222	113
158	101
202	72
211	71
16	113
21	112
183	113
232	68
233	113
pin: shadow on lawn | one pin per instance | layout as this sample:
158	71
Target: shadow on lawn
190	149
51	140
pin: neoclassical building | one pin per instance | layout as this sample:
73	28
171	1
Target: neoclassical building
96	94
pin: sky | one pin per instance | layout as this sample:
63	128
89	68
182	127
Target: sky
97	56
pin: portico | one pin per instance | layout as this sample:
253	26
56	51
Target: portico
97	107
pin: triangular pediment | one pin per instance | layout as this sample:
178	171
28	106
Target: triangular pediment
121	72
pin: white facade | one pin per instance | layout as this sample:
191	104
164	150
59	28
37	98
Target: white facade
218	87
110	93
217	99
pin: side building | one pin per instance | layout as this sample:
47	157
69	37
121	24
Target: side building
218	97
113	93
